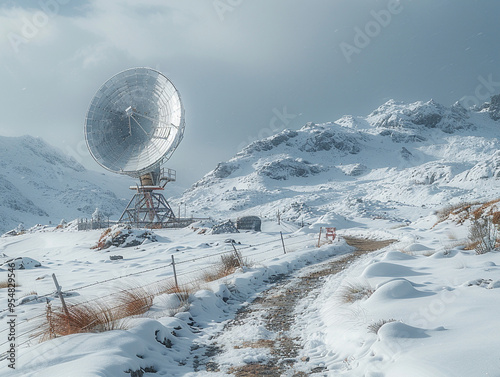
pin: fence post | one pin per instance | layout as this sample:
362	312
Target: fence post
59	293
283	243
237	255
175	273
319	237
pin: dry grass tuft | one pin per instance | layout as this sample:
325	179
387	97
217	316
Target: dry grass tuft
461	210
229	263
375	326
181	292
407	252
353	292
495	218
134	301
470	211
101	243
5	284
90	317
480	211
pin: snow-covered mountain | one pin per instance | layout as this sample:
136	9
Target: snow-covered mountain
395	163
404	310
38	184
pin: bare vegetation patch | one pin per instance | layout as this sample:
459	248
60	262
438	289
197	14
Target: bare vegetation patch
375	326
462	210
485	209
134	301
470	211
5	284
92	317
227	265
182	293
97	316
353	292
261	343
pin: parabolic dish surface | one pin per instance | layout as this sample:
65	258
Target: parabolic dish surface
135	122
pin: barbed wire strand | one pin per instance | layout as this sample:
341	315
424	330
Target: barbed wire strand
155	282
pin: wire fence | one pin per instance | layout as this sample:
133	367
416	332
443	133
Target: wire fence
196	274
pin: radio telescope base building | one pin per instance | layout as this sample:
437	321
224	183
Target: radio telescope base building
134	124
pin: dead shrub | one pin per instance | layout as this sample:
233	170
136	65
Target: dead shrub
375	326
353	292
482	234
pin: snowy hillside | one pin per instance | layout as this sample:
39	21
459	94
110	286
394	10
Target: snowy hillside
38	184
389	164
421	303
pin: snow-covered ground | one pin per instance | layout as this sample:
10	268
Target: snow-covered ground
443	300
382	176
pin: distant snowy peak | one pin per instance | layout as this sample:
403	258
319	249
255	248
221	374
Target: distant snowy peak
492	107
418	115
38	184
286	154
16	151
293	153
328	137
418	154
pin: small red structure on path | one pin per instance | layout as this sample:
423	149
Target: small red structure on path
331	232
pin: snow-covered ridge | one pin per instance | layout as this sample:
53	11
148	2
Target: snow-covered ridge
418	154
38	184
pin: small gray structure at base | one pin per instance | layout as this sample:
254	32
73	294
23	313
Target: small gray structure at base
249	223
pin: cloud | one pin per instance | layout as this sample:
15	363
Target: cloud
232	71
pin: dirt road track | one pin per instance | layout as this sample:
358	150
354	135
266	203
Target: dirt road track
275	307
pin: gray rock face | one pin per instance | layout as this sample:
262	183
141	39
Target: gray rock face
270	143
224	169
405	153
325	140
421	115
494	108
288	167
400	137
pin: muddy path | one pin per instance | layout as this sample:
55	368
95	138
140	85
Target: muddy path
274	309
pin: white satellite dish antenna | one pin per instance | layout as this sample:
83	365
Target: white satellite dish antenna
134	124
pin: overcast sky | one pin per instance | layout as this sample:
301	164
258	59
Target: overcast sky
243	67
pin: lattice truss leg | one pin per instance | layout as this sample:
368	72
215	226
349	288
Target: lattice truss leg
147	208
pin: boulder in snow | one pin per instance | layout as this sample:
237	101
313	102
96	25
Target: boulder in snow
22	263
